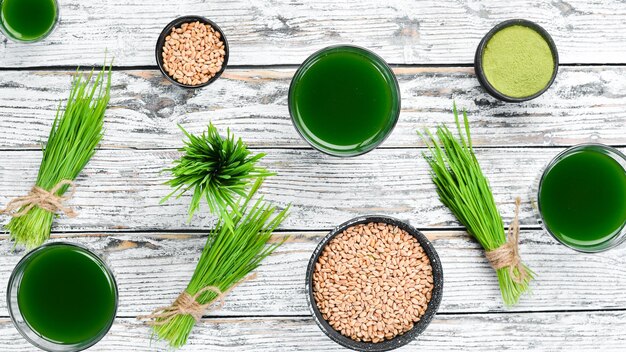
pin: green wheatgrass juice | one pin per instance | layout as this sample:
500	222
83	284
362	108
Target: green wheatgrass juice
344	100
582	197
518	62
66	295
28	20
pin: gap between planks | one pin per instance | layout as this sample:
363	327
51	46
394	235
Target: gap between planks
450	313
257	148
77	233
270	67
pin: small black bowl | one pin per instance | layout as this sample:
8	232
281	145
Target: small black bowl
397	341
177	23
478	58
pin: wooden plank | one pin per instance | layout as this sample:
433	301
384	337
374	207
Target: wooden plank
488	332
121	189
264	32
152	269
585	104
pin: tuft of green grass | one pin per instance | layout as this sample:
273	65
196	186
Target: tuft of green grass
218	169
463	188
229	255
72	142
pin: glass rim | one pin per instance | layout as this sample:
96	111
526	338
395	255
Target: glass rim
51	346
616	239
57	18
394	113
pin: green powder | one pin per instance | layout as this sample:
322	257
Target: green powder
518	62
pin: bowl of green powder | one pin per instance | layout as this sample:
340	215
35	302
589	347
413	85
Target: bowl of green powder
516	61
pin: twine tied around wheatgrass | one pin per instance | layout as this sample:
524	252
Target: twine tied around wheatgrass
507	255
46	200
187	304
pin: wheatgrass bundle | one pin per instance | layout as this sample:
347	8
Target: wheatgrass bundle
463	188
72	142
229	255
216	168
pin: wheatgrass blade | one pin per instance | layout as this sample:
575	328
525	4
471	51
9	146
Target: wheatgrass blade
72	141
464	189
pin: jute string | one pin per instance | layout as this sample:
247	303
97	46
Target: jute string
507	255
46	200
188	304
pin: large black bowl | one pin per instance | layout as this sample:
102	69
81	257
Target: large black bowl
399	340
177	23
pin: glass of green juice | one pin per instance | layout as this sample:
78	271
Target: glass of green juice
344	100
582	197
62	297
28	21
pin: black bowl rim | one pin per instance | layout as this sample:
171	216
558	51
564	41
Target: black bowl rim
175	23
478	58
395	84
398	341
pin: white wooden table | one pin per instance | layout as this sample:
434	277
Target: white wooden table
579	300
